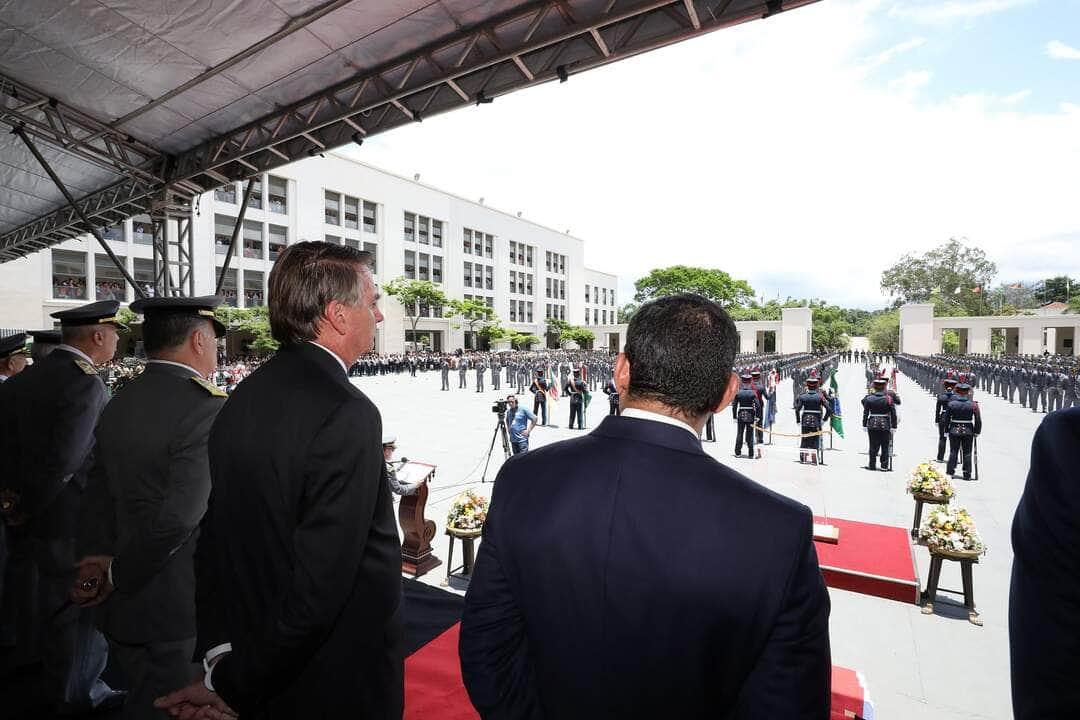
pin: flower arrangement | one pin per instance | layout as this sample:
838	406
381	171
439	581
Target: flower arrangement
929	479
951	530
467	512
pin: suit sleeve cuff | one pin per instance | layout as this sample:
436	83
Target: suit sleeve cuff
208	663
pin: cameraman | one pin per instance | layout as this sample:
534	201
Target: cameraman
516	419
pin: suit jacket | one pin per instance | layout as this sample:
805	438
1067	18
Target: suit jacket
145	497
49	430
1044	627
299	565
628	574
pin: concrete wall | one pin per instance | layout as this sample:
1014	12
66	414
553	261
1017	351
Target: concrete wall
795	336
921	332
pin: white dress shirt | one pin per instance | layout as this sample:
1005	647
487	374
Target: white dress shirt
77	351
657	417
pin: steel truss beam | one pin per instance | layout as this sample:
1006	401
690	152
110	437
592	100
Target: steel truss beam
539	43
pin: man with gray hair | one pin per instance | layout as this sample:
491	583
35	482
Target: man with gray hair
298	567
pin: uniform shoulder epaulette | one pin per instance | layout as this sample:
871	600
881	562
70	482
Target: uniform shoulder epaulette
209	387
86	367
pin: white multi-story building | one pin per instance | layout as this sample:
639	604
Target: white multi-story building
525	271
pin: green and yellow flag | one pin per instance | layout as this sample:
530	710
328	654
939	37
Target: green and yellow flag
837	418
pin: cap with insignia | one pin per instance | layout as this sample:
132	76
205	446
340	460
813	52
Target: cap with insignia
195	306
102	312
745	376
45	337
880	381
963	387
389	440
811	381
12	345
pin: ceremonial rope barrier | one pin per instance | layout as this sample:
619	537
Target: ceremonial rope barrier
796	435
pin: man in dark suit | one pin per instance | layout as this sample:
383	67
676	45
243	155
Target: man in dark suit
298	565
1044	629
50	413
145	500
628	574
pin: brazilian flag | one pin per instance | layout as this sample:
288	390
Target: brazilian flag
837	418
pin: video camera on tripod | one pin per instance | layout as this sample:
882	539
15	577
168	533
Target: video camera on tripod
499	406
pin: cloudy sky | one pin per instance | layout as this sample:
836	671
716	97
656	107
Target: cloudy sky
803	153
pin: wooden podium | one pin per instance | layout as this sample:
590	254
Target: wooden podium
416	557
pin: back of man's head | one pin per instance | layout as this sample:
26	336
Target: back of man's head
681	349
306	278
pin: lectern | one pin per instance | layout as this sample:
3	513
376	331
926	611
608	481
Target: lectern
416	556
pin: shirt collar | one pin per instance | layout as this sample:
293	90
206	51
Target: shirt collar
194	372
77	352
332	354
657	417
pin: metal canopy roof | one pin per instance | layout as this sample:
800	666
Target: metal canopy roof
143	104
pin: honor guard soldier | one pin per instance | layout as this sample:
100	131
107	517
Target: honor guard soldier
444	371
575	388
463	366
13	355
879	419
495	368
49	431
612	393
144	501
812	410
480	368
943	400
746	409
964	420
539	390
762	394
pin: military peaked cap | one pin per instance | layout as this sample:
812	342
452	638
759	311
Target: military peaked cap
157	307
97	313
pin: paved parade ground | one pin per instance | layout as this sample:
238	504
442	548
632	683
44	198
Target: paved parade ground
916	666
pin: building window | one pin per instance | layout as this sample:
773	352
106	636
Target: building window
562	264
410	265
528	312
143	270
277	187
595	316
372	249
513	311
478	275
489	246
489	277
223	227
228	287
279	238
253	289
353	243
562	289
547	310
352	213
108	280
142	230
586	293
528	284
226	193
253	239
333	239
113	232
333	208
547	286
513	251
513	282
256	194
521	284
478	244
490	302
436	268
369	217
604	295
436	233
528	255
468	275
425	266
422	227
562	312
467	234
410	227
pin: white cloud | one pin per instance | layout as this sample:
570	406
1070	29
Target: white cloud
938	13
764	150
908	85
885	56
1016	97
1060	51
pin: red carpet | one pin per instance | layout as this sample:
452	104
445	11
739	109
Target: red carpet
870	559
433	686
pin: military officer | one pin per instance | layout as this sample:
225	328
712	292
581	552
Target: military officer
879	419
575	388
54	407
12	355
496	368
480	367
943	400
539	390
812	410
964	420
444	371
463	366
45	341
144	501
747	410
613	396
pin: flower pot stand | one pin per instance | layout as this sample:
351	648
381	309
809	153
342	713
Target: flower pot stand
966	560
468	548
920	500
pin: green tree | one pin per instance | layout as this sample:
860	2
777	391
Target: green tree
493	332
254	321
524	340
626	312
1057	289
714	284
950	342
952	274
472	312
1074	304
415	294
582	336
884	333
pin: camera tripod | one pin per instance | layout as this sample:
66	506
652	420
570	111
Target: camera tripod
500	432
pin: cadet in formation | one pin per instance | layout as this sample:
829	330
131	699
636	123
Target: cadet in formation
964	420
576	389
812	412
747	410
879	420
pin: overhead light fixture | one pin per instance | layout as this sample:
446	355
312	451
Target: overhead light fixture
315	151
358	138
416	116
481	201
482	99
561	72
519	213
416	177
